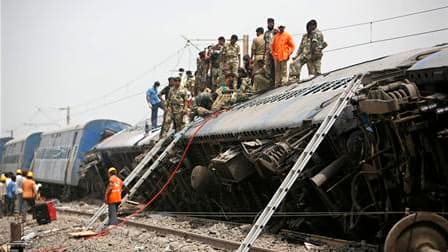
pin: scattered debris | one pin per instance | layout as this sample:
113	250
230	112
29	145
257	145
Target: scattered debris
81	234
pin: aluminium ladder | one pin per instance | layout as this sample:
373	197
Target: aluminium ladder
153	166
300	164
128	180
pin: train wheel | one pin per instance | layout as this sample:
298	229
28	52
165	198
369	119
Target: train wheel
420	232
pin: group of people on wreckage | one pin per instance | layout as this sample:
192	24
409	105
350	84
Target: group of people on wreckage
221	80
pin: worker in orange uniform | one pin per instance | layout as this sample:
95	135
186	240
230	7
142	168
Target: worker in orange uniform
29	193
281	49
113	195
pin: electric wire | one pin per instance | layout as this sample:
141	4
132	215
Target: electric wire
386	39
131	82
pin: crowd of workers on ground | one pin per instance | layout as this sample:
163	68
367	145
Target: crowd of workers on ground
221	80
18	193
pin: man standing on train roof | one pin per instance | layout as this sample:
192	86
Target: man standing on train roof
216	62
231	56
112	196
258	48
164	97
268	60
309	52
281	49
176	108
154	102
19	191
29	193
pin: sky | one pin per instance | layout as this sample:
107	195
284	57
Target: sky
99	56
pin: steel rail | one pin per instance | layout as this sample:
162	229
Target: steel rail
217	242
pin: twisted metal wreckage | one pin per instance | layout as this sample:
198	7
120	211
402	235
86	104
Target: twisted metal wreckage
379	175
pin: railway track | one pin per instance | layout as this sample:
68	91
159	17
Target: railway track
217	242
326	243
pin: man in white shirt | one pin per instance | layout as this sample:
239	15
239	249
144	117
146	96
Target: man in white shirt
19	191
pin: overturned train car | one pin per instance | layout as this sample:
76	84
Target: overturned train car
19	153
385	157
123	150
61	153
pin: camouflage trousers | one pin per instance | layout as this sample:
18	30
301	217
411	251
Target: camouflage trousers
231	67
216	77
261	83
269	65
177	119
280	72
313	66
255	63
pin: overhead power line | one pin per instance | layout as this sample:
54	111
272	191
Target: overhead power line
353	25
108	103
331	50
386	39
131	82
384	19
189	42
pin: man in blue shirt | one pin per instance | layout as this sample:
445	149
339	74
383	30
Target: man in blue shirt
10	196
154	102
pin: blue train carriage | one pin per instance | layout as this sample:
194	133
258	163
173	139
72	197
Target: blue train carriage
19	153
3	141
61	152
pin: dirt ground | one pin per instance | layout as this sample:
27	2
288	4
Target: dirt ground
55	235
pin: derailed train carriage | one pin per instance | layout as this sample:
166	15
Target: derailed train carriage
123	150
61	152
383	159
19	153
3	141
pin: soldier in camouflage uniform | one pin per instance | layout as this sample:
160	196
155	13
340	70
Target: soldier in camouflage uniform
164	95
190	83
231	56
258	48
242	88
309	52
202	105
176	108
268	60
225	91
261	79
216	63
201	72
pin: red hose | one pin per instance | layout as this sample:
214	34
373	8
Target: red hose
104	231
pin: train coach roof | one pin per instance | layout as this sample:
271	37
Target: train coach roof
22	139
288	106
128	138
79	126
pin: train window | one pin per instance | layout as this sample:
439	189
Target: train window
56	152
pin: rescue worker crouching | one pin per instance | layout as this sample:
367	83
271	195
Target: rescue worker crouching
225	91
113	195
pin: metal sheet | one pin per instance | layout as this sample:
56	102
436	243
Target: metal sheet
435	60
129	138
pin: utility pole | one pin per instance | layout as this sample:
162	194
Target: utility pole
67	109
245	44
